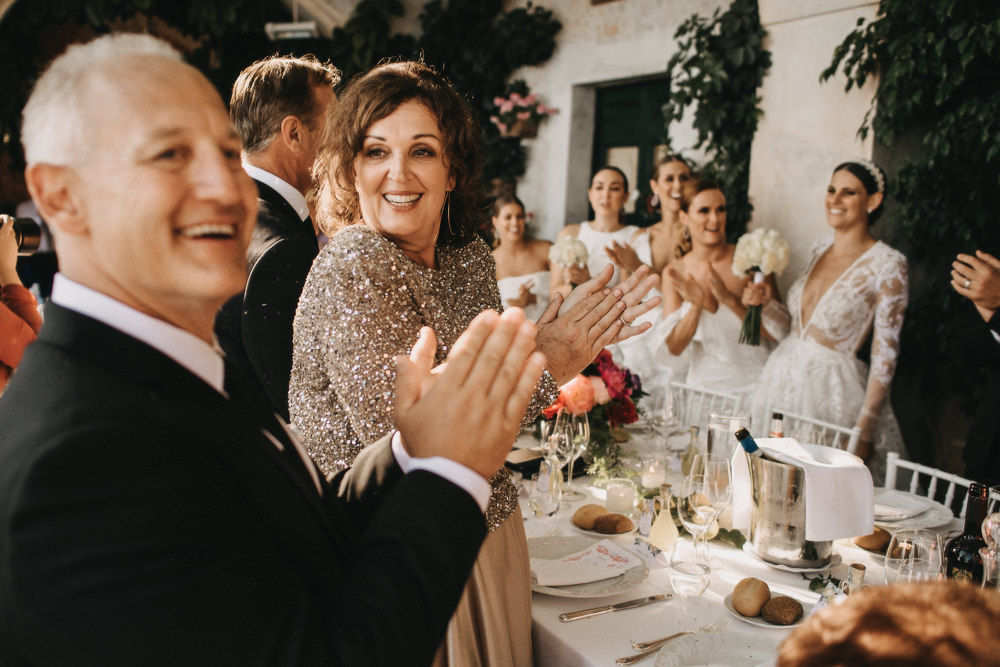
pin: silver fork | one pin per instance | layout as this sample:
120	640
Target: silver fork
649	648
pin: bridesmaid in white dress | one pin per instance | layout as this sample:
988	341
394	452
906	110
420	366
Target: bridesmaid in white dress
522	263
854	287
702	300
608	194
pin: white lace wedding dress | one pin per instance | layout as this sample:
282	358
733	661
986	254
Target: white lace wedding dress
814	370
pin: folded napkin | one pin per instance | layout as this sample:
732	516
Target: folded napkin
601	560
893	505
839	489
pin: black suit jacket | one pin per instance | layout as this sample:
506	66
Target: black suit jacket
146	520
982	446
255	328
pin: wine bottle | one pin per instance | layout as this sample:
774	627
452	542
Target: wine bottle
962	552
747	442
777	425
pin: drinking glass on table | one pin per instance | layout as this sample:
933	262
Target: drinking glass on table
699	503
576	440
914	552
690	570
544	490
991	567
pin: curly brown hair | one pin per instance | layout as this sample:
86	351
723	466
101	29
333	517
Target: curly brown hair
376	94
939	624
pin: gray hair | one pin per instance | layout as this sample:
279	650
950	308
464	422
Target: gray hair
53	129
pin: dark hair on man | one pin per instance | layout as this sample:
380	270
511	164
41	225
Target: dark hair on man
269	90
375	95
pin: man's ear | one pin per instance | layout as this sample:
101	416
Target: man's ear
55	192
292	132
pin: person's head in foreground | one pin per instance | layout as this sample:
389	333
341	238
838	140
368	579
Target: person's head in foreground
942	624
135	166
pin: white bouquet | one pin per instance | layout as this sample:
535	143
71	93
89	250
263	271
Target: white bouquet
568	251
761	252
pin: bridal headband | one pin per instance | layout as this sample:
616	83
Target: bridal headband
874	170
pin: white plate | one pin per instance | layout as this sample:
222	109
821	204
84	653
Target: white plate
733	649
759	620
835	560
936	515
557	546
611	536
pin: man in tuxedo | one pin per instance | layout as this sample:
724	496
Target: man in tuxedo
279	106
977	278
152	512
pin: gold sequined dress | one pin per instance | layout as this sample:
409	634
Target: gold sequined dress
364	303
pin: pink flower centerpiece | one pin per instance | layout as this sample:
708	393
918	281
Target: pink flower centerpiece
607	394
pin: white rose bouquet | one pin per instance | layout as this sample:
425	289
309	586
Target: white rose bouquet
761	252
568	251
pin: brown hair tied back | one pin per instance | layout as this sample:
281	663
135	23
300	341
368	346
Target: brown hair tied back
695	187
376	94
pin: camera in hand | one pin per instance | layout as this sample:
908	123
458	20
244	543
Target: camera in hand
28	234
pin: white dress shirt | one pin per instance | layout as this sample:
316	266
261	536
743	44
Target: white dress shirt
206	362
282	187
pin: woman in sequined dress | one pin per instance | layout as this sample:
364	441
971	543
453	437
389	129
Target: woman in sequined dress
400	177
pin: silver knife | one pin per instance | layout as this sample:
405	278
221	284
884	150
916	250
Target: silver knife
631	604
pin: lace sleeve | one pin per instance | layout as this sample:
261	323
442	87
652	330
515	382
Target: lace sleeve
776	319
890	307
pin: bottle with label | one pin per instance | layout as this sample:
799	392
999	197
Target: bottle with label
962	552
747	442
777	425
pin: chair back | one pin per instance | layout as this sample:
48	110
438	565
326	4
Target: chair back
697	403
927	481
819	432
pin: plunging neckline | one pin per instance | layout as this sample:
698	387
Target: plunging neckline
829	289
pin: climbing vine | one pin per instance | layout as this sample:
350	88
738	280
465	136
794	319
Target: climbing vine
719	65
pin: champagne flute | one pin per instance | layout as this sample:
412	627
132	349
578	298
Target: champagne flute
579	437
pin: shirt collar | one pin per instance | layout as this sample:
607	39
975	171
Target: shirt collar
185	348
288	192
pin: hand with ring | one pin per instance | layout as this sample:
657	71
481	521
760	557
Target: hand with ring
978	279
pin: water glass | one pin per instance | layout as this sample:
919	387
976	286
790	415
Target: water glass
544	490
690	570
908	545
621	495
991	567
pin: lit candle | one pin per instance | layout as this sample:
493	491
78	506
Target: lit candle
621	495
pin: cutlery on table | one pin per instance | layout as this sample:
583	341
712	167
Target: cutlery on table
630	604
649	648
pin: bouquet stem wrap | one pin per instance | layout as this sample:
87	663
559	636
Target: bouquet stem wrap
750	331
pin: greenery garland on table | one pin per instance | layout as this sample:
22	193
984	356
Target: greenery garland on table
937	96
719	65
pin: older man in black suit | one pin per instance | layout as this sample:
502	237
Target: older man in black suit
152	512
279	106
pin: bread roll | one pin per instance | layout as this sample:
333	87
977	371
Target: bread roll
585	516
782	610
877	541
750	595
613	524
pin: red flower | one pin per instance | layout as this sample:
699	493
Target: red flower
622	412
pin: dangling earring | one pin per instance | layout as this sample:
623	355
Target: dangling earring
447	207
654	201
686	233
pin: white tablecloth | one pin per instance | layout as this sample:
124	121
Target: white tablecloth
599	640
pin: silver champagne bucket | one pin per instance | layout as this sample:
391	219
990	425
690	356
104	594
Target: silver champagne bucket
778	516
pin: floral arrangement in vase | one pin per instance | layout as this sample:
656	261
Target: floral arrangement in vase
607	394
760	252
519	115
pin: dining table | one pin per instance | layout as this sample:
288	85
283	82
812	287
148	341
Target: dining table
599	640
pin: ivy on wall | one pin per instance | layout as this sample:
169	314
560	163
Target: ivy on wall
938	67
719	65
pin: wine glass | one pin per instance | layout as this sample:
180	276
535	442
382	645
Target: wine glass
916	544
698	504
579	438
991	530
690	571
914	570
655	414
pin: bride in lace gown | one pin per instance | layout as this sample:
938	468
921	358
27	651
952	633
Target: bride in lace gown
853	286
